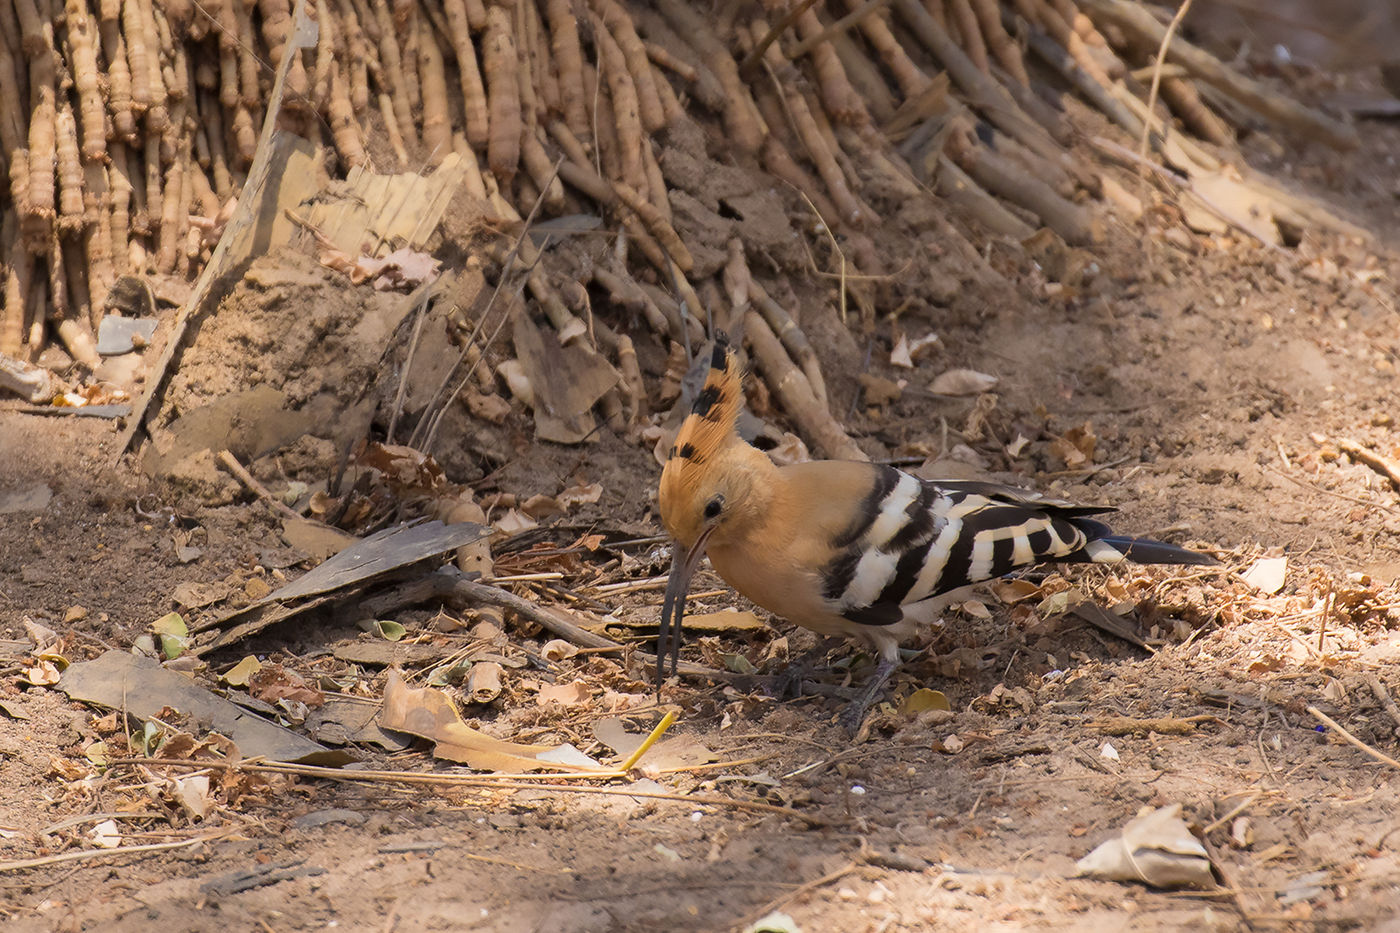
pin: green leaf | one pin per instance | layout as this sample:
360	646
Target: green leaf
450	674
389	630
173	634
739	664
150	738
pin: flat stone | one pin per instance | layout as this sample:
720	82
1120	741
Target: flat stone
33	498
115	334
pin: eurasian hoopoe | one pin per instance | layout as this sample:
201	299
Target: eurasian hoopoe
849	548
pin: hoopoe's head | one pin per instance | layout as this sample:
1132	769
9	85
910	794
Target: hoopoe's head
713	482
714	487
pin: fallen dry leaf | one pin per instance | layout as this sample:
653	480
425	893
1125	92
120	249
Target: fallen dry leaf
879	391
430	714
513	521
962	382
1266	574
675	751
273	682
486	406
239	674
922	700
580	494
1155	847
1075	447
1015	591
900	355
976	609
726	620
483	682
906	351
106	835
557	649
541	506
403	269
192	793
570	694
40	636
45	673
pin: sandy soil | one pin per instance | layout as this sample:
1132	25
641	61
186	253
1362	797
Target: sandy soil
1216	383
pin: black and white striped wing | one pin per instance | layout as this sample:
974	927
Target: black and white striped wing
914	539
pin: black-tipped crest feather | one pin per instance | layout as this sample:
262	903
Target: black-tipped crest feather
715	411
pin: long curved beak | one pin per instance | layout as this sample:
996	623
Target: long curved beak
668	639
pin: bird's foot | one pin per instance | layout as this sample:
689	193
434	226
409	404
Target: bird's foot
854	714
790	683
793	682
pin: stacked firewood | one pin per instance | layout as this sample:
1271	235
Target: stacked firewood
127	126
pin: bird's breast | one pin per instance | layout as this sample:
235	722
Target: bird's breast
771	579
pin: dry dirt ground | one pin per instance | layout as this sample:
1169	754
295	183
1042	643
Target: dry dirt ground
1217	384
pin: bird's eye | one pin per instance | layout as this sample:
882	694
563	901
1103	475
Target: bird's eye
712	508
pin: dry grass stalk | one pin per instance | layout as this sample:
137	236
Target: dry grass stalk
769	36
866	78
15	291
1283	110
657	225
804	124
568	61
628	294
1000	176
70	171
101	271
436	121
392	62
39	188
634	52
969	33
778	160
663	58
983	93
745	130
634	393
627	123
910	77
839	98
500	64
1003	47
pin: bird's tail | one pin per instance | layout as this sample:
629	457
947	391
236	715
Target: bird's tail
1110	549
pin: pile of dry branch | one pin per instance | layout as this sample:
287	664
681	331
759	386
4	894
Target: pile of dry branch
127	126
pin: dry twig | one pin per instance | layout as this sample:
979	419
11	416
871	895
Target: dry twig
1332	724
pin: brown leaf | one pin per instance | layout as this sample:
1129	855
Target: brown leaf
570	694
487	406
879	391
273	682
580	494
429	714
1014	591
483	682
1076	447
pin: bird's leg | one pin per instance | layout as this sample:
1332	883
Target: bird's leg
854	713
